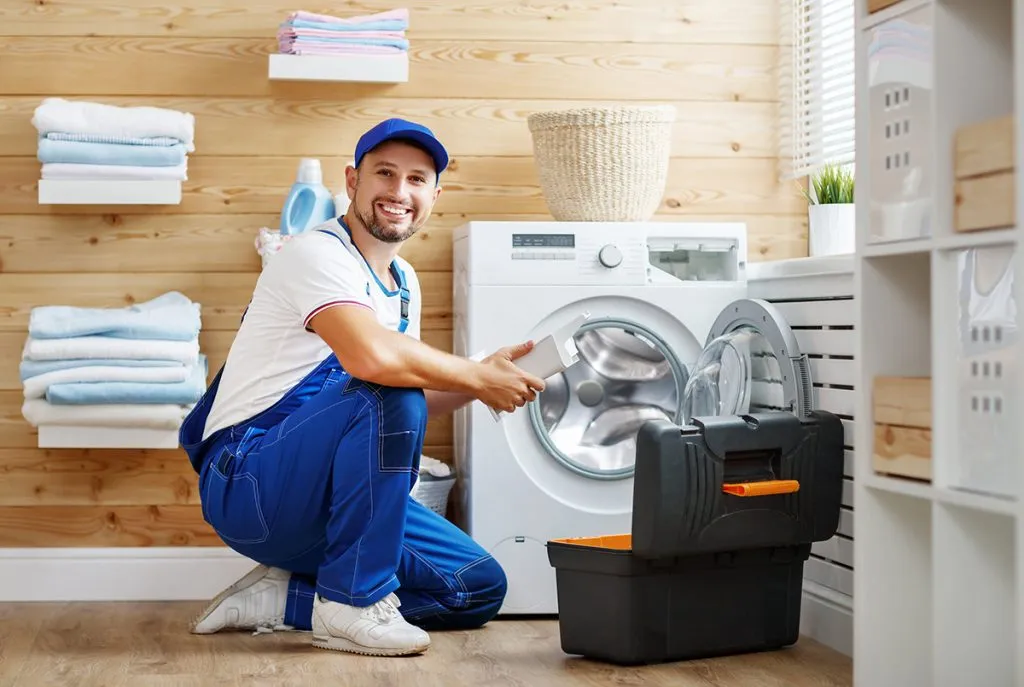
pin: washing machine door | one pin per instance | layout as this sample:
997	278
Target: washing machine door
588	416
751	363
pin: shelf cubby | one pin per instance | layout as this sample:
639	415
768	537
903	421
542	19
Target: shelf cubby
927	69
893	600
975	344
974	581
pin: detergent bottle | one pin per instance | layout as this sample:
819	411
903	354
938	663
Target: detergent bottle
309	202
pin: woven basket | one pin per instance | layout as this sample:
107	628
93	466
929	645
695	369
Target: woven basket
603	164
433	492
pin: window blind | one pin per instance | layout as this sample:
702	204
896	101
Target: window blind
816	85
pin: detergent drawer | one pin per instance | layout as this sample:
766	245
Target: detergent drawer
737	482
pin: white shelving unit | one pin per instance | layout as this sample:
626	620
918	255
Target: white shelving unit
68	436
359	68
938	565
109	192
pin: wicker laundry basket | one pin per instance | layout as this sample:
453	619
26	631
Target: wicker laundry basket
603	163
433	492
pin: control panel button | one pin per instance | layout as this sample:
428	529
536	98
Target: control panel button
610	256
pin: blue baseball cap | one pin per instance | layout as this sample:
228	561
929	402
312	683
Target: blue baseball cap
394	128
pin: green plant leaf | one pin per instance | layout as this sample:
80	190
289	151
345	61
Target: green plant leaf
832	185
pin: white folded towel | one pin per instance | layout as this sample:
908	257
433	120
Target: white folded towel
84	117
186	352
68	170
35	387
434	467
157	415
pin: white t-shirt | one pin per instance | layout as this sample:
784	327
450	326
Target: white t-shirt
273	349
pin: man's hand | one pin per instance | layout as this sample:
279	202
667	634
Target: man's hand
504	386
445	402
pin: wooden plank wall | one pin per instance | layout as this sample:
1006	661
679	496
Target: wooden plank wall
477	70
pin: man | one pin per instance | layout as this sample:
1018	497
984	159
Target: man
308	441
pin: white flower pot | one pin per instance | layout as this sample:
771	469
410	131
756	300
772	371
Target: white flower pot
831	229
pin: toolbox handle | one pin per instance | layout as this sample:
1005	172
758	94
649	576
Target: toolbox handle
765	488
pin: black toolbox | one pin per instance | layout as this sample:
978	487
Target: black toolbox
724	515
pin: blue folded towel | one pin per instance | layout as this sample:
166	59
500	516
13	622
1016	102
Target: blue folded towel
80	152
28	368
400	43
93	393
171	316
382	25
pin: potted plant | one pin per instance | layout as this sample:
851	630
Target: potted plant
831	217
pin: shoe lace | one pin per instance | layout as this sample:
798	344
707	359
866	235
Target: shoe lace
267	624
270	625
385	610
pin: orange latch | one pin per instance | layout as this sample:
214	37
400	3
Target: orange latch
766	488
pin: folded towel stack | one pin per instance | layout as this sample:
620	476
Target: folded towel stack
86	140
137	366
308	33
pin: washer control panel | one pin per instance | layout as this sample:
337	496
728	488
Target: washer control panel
620	259
553	253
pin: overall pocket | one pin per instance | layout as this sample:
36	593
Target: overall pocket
398	452
231	505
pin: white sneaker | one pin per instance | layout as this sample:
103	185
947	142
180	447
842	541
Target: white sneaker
255	602
377	630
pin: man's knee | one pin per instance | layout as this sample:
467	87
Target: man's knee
398	416
487	585
407	403
485	581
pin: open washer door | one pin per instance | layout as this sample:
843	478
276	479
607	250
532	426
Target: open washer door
751	363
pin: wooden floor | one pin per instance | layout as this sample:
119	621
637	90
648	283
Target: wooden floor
148	645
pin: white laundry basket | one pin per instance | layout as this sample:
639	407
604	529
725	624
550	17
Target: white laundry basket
603	164
433	485
433	492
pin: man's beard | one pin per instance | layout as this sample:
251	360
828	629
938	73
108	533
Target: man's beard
382	232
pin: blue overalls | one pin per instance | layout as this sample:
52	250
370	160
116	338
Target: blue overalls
318	484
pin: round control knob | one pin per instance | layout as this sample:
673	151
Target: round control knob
610	256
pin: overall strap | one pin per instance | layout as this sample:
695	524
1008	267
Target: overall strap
404	294
396	272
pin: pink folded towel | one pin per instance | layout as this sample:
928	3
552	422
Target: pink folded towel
292	32
303	15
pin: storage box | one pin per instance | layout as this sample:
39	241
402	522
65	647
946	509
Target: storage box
877	5
902	409
986	454
984	168
900	193
724	515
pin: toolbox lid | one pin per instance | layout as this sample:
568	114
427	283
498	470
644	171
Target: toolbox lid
728	483
751	364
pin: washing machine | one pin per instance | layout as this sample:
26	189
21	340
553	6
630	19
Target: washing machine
562	466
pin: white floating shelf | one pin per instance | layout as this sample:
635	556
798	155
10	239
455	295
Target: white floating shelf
362	68
109	192
69	436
